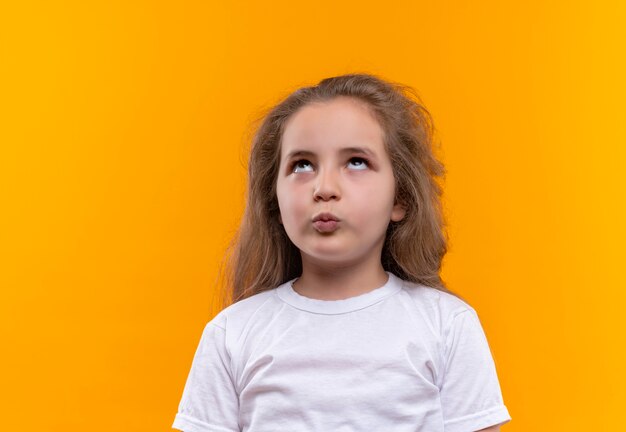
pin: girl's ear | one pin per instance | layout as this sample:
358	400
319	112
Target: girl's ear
398	212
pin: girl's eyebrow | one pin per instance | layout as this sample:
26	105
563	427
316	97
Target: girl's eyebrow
299	153
359	150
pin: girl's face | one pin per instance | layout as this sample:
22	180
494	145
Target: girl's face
333	165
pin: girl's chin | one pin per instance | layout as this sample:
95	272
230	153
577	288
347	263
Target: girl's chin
332	258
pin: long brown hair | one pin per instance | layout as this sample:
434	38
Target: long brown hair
261	256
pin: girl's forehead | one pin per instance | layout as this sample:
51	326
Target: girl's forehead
333	125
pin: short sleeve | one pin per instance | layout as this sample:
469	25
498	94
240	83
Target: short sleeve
470	393
209	402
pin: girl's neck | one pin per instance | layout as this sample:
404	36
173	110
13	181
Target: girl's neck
323	282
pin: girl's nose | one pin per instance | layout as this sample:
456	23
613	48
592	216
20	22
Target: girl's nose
326	187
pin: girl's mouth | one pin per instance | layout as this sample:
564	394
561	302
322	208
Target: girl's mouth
325	222
326	226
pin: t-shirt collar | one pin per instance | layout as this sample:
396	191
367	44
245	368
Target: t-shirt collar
331	307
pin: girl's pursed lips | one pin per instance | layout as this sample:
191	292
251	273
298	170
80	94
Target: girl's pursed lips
325	216
326	226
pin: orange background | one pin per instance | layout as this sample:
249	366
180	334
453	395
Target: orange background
123	130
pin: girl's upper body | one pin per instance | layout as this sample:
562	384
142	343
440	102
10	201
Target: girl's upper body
340	320
402	357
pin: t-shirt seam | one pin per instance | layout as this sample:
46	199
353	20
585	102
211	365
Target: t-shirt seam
197	422
400	287
475	415
339	313
229	366
455	315
444	341
217	325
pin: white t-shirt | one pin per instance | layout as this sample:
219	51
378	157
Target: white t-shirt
403	357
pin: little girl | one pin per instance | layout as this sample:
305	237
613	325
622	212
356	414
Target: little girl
339	319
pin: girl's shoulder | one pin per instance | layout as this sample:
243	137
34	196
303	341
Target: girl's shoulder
440	306
243	310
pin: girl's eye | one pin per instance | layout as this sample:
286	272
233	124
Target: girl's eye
301	166
359	163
